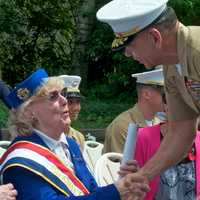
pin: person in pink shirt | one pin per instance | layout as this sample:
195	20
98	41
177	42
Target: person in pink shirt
181	181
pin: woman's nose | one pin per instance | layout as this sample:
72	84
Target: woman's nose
63	99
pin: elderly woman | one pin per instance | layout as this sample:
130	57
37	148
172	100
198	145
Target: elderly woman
42	163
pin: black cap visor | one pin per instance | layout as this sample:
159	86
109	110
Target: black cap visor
121	45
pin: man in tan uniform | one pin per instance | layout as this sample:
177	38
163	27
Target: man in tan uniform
74	104
149	92
150	32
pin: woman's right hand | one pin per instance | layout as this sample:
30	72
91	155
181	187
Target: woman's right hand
7	192
137	187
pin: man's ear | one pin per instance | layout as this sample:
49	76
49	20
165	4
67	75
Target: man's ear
146	94
155	37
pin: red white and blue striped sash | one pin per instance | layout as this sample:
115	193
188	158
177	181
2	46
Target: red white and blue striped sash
45	164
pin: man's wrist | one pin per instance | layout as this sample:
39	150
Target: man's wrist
145	174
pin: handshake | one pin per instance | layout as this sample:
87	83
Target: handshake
132	185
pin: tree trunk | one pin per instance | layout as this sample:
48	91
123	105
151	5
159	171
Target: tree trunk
85	19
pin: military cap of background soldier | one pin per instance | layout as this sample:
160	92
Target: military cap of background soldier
153	77
130	17
72	91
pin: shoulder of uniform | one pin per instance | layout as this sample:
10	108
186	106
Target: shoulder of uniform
75	130
122	118
123	115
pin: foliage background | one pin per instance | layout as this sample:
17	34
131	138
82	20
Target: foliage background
45	33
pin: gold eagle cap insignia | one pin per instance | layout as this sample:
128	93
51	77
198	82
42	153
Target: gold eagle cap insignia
23	93
122	37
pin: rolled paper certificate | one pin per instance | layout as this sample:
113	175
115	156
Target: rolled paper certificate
129	147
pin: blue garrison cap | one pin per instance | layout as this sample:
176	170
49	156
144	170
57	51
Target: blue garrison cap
24	90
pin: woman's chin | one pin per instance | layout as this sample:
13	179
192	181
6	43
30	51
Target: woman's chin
68	122
65	125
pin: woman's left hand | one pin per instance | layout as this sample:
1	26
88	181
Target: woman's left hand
130	167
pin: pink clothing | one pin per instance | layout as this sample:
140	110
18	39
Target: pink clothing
148	141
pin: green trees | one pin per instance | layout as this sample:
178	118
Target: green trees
188	11
35	33
65	37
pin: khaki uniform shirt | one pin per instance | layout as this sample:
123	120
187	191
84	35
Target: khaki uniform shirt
116	132
77	136
182	84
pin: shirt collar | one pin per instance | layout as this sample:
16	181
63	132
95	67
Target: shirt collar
50	142
149	122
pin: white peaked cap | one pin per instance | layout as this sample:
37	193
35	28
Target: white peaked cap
154	77
127	17
124	15
71	81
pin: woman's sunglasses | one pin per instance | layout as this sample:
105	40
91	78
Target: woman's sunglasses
54	95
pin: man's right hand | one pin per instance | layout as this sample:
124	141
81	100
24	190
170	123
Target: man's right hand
132	186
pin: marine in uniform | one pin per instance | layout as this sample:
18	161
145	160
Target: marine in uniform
149	89
73	97
150	32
